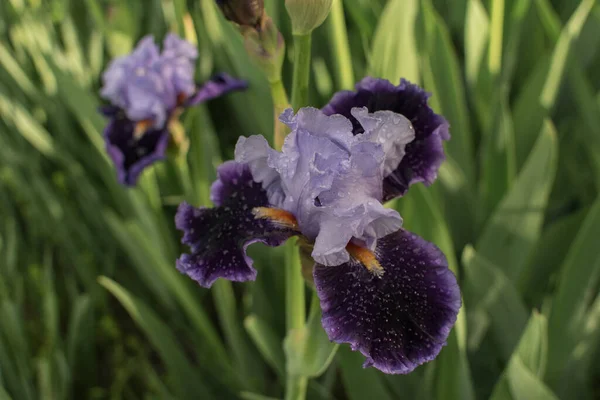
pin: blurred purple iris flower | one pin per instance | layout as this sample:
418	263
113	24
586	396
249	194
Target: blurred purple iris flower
384	290
148	89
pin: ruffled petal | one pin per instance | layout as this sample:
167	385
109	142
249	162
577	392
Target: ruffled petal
351	207
218	237
399	319
392	131
330	179
130	154
424	155
255	151
217	86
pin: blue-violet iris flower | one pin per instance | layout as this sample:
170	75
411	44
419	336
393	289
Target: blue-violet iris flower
385	291
148	89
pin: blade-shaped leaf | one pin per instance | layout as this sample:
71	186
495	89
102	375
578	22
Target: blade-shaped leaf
394	54
187	378
515	225
576	287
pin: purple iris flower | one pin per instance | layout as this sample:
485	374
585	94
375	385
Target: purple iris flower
384	290
147	90
425	154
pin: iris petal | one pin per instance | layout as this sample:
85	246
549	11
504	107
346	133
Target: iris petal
425	153
215	87
218	237
330	179
400	319
130	154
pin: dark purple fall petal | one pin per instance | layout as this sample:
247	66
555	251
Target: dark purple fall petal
425	154
131	155
215	87
399	320
218	237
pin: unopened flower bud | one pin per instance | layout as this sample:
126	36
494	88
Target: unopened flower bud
243	12
306	15
266	47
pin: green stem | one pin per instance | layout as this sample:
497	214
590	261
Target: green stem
497	26
295	297
296	387
295	301
280	103
301	70
340	46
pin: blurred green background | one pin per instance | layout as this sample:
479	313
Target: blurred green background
92	307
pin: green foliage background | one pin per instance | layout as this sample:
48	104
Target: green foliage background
92	307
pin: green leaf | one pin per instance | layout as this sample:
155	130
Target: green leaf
308	350
14	350
267	342
576	287
493	304
151	263
423	216
549	255
476	35
442	76
16	115
458	202
81	332
4	395
538	100
515	225
515	19
18	75
254	396
522	378
187	379
498	160
394	53
360	383
452	372
247	364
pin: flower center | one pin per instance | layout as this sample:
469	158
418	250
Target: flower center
141	127
366	257
276	215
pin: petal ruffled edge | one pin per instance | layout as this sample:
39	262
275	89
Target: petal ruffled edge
425	153
219	237
400	319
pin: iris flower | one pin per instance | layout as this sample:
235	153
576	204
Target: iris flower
384	290
148	89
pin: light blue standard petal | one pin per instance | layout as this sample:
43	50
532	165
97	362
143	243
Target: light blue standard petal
392	131
425	153
330	179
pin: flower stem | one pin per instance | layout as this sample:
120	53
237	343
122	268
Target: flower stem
340	46
295	296
301	70
295	301
295	314
280	103
296	387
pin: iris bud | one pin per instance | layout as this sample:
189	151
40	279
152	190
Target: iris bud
243	12
306	15
266	47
